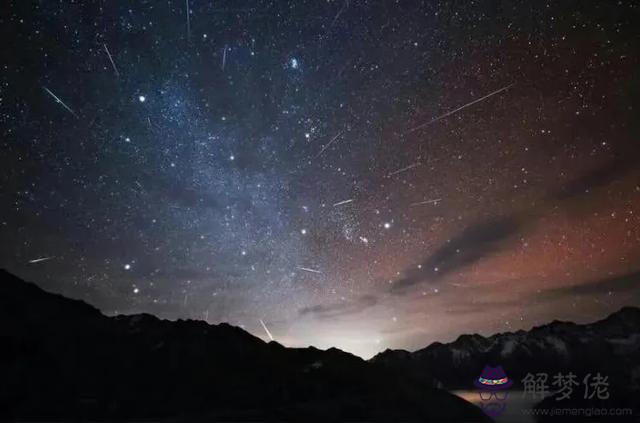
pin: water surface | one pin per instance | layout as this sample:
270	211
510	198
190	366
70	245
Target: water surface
516	410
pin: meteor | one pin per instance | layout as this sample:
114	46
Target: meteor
188	19
435	201
329	143
61	102
339	203
224	57
41	259
306	269
111	60
458	109
266	330
404	169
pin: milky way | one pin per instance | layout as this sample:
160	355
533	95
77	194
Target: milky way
354	174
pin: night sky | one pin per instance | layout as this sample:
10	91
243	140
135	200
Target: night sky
358	174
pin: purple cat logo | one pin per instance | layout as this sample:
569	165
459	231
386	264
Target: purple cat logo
493	384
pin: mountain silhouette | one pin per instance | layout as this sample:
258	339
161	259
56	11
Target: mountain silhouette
63	359
610	347
611	344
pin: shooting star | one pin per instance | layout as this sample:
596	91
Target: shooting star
306	269
111	60
329	143
339	203
39	260
459	108
335	19
404	169
435	201
224	56
188	20
266	330
60	102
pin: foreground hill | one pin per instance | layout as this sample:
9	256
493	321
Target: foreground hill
610	346
63	359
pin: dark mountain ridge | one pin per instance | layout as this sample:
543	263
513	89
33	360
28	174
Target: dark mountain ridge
611	344
63	359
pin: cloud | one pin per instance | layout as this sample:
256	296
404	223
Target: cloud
622	283
486	306
485	238
598	177
342	308
470	246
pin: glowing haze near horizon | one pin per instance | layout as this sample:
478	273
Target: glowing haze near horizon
357	174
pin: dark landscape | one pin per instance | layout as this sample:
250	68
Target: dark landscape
610	346
63	359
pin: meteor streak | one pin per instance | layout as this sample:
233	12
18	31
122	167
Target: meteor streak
339	203
224	56
266	330
459	108
111	60
306	269
60	102
41	259
329	143
404	169
188	19
434	201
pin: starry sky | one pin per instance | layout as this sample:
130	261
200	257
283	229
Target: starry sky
358	174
